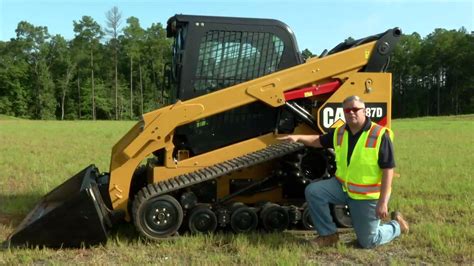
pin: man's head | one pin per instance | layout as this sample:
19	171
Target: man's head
354	111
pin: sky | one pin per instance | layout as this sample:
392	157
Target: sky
317	24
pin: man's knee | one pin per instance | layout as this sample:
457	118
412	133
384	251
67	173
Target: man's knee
312	190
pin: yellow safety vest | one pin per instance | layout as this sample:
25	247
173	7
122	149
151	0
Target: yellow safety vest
362	178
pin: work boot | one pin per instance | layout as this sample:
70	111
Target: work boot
397	216
325	241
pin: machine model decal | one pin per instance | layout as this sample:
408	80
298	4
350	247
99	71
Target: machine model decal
332	115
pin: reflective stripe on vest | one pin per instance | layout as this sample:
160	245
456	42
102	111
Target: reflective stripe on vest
340	135
373	135
360	189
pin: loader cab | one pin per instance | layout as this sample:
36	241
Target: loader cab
212	53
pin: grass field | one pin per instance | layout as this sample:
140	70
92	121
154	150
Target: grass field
435	158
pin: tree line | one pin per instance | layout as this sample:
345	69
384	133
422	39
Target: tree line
114	72
433	75
104	72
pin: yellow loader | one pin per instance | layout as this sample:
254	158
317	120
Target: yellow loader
210	160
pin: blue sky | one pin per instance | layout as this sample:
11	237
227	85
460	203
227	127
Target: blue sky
316	24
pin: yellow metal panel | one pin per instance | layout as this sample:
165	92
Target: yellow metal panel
211	158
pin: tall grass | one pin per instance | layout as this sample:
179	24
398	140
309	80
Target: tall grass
434	190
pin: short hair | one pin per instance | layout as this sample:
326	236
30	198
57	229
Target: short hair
352	99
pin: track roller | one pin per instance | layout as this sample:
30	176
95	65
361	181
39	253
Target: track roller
243	219
274	217
202	220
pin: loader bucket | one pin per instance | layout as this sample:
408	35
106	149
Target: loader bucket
71	215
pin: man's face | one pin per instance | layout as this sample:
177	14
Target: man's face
354	113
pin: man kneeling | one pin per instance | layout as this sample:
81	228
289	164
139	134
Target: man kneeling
365	162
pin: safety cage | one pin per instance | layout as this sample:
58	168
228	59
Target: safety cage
212	53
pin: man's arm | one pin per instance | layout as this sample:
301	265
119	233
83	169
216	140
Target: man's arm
308	140
382	209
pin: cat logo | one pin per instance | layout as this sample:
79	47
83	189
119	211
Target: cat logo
331	115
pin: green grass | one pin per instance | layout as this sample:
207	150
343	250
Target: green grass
6	117
434	190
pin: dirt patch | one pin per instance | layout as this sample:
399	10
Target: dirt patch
10	219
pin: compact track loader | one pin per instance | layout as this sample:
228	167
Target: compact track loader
210	160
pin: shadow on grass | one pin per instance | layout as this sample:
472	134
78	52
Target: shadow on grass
14	208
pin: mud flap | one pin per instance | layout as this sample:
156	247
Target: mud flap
71	215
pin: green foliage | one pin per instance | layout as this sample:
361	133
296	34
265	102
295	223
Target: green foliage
87	30
35	88
156	54
104	106
133	37
49	77
433	76
45	103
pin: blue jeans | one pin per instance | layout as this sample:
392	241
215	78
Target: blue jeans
370	233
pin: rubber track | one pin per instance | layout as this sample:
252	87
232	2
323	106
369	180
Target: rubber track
213	172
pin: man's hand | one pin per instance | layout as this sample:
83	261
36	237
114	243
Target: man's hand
290	138
381	210
308	140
